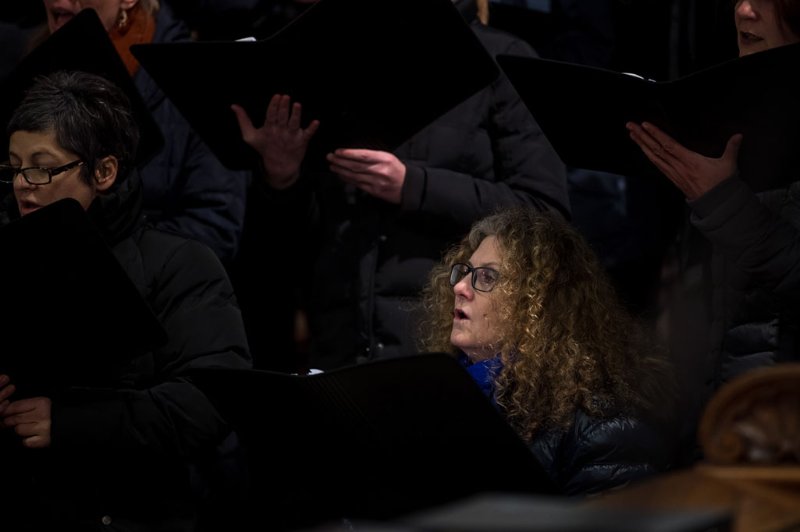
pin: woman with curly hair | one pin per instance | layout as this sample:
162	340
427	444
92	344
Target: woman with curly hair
526	306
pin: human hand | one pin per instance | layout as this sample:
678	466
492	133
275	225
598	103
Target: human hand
30	419
692	173
6	390
378	173
280	142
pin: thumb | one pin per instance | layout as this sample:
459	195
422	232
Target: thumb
732	147
245	124
311	129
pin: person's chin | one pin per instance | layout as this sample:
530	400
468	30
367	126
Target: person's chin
59	19
752	47
458	340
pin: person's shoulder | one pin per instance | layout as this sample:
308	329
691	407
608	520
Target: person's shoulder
623	436
602	452
159	246
610	428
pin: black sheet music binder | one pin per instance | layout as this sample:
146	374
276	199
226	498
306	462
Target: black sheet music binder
373	72
373	440
70	313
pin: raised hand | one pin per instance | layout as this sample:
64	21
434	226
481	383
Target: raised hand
281	142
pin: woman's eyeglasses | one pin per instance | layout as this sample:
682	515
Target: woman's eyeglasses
35	175
483	279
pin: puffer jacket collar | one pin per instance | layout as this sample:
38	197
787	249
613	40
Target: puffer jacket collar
118	213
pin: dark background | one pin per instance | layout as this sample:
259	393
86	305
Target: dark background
660	39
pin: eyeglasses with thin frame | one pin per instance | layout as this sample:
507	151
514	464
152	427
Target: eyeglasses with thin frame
35	175
484	279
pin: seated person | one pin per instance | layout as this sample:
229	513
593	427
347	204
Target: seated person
120	452
525	305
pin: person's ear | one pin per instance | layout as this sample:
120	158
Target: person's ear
125	5
105	173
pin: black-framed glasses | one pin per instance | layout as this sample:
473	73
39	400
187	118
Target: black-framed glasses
484	279
35	175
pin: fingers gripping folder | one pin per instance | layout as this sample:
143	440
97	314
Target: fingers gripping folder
757	95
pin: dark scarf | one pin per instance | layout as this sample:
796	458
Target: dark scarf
118	213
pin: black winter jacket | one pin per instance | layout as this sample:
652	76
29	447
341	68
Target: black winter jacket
596	454
120	455
754	284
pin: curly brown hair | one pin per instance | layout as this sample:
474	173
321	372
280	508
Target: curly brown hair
567	341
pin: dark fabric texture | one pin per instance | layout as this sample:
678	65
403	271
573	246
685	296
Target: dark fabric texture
123	451
598	454
187	190
592	454
754	276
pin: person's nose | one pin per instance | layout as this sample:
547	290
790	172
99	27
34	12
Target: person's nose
64	4
20	183
744	9
463	287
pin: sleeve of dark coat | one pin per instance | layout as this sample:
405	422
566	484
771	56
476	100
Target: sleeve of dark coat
194	300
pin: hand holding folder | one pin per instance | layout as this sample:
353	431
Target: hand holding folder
694	174
757	95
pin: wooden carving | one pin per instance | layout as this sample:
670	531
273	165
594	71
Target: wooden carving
755	419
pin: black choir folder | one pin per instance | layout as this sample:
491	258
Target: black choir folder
583	110
81	44
373	441
373	72
70	313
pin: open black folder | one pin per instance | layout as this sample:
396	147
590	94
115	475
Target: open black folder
70	313
583	110
373	72
81	44
372	441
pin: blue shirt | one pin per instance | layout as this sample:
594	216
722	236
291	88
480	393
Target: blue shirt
484	373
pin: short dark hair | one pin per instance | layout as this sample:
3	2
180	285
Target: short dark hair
90	115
